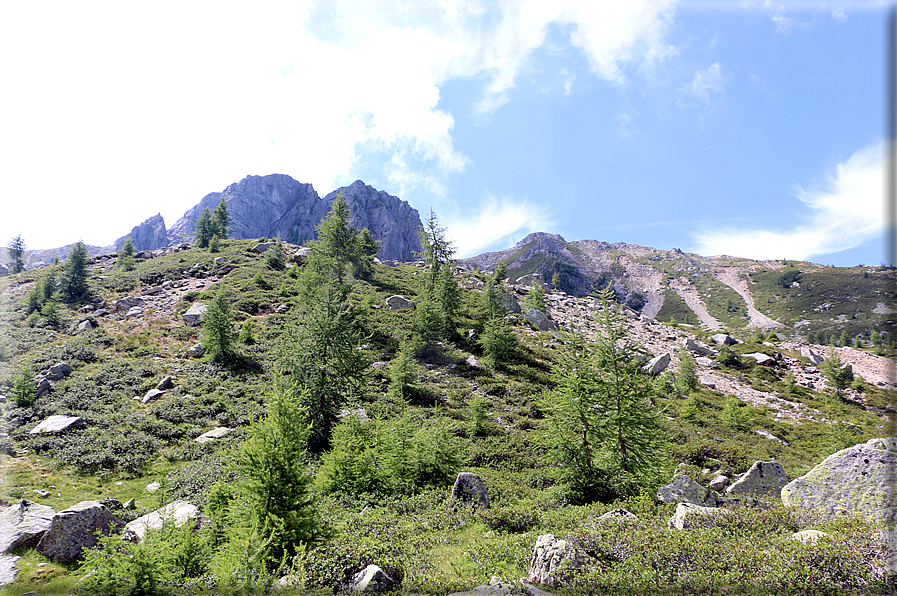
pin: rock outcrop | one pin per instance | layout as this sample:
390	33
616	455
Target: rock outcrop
23	524
859	480
685	490
551	557
372	580
177	512
763	478
278	205
149	235
470	488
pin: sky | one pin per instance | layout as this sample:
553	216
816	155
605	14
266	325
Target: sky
747	128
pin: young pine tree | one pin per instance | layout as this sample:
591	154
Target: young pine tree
216	326
73	285
687	377
126	255
205	229
16	251
220	220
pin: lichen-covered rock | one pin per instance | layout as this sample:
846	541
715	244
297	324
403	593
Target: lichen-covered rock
215	433
763	478
618	515
371	580
657	365
470	488
540	320
509	303
859	480
398	303
74	529
59	371
193	316
689	516
685	490
551	557
8	569
23	524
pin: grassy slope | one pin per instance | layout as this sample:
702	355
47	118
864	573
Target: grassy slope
436	547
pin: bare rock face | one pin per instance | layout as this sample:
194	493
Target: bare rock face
149	235
23	524
469	487
390	220
58	423
859	480
551	557
75	529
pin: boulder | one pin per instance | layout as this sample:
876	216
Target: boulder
299	257
58	423
693	346
618	515
59	371
215	433
153	290
134	311
127	303
152	395
398	303
858	480
763	478
85	325
719	482
23	524
657	365
219	260
153	487
689	516
551	557
165	384
193	316
761	359
469	487
75	529
195	351
41	388
262	247
371	580
540	320
499	587
509	303
812	355
685	490
8	569
177	512
723	339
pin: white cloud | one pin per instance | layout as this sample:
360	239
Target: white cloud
498	219
706	82
843	213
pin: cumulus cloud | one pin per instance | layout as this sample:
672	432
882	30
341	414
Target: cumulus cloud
706	83
843	212
498	220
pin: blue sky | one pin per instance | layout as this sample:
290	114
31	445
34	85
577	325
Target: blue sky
745	128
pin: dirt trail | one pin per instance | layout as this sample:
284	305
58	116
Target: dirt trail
732	278
690	295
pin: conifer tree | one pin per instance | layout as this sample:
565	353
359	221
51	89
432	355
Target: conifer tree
216	326
16	251
339	250
205	229
126	255
439	297
221	220
536	296
73	285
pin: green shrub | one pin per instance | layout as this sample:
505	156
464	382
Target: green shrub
511	519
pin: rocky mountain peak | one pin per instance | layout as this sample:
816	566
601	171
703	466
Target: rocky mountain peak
149	235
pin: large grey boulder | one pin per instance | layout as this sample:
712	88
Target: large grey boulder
58	423
761	359
195	351
177	513
470	488
552	557
812	355
8	569
152	395
859	480
618	515
262	247
59	371
693	346
23	524
763	478
398	303
685	490
42	387
127	303
689	516
193	316
509	303
75	529
371	580
723	339
215	433
540	320
657	365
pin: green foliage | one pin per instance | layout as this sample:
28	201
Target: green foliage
220	221
736	414
727	357
126	255
246	336
555	281
380	456
272	463
340	251
600	423
839	374
73	285
498	341
216	326
50	312
403	372
439	297
687	376
23	392
479	419
274	258
320	351
536	297
214	245
16	251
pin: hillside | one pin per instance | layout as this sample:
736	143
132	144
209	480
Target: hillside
801	300
145	396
